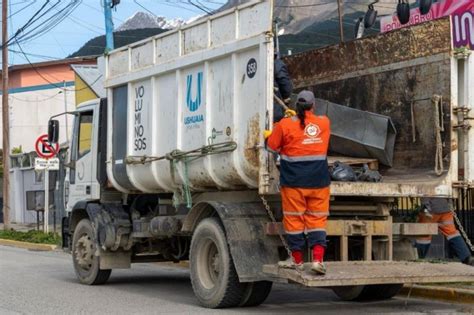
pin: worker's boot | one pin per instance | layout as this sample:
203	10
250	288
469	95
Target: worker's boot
293	262
469	261
459	247
318	265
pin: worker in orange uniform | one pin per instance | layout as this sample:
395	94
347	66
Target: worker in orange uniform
440	210
302	142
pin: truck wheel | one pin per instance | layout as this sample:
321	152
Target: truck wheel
213	276
381	291
349	293
367	292
256	293
86	263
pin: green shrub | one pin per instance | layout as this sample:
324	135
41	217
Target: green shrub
31	236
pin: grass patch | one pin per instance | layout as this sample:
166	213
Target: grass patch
31	236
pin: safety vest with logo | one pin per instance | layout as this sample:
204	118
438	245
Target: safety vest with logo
303	152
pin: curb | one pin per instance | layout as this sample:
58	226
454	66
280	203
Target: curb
182	264
27	245
439	293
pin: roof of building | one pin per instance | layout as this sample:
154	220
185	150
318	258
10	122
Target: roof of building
66	61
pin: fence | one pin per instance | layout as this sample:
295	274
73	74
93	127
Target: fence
464	207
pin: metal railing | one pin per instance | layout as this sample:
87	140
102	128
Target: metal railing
464	208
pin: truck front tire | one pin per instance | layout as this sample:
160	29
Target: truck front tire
86	263
213	276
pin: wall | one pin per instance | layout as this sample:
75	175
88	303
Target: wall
30	112
37	94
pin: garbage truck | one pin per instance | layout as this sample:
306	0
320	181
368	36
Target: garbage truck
172	165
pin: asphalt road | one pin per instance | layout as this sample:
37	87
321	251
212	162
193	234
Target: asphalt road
44	283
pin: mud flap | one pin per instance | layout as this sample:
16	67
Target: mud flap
117	260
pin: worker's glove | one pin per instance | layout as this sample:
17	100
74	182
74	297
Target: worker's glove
290	113
266	134
427	212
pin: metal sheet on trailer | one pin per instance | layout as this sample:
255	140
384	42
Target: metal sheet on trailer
359	133
376	272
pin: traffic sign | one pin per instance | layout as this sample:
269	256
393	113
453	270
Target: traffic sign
49	164
44	149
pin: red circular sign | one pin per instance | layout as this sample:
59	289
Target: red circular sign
45	149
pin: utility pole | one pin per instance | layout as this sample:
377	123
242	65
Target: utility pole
109	25
5	118
65	110
341	28
46	200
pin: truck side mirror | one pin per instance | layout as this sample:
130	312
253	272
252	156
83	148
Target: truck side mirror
53	131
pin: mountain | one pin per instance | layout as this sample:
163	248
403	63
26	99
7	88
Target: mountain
96	46
313	24
141	20
322	33
306	26
297	15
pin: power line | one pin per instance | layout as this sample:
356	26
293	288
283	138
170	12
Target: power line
33	55
42	21
84	24
52	83
304	5
144	8
200	7
35	101
180	6
101	12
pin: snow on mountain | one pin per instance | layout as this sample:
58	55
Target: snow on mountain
146	20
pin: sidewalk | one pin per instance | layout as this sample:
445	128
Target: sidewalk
29	226
28	245
451	292
24	244
20	227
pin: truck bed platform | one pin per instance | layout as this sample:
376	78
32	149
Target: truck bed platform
376	272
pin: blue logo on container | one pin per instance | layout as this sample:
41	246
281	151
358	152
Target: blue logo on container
194	104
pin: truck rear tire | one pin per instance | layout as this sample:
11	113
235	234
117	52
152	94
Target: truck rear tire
213	276
367	292
381	291
349	293
86	263
256	293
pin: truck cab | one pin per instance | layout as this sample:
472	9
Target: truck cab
82	176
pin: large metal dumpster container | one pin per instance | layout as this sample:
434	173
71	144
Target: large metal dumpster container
209	82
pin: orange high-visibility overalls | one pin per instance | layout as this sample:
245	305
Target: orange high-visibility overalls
441	212
304	177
